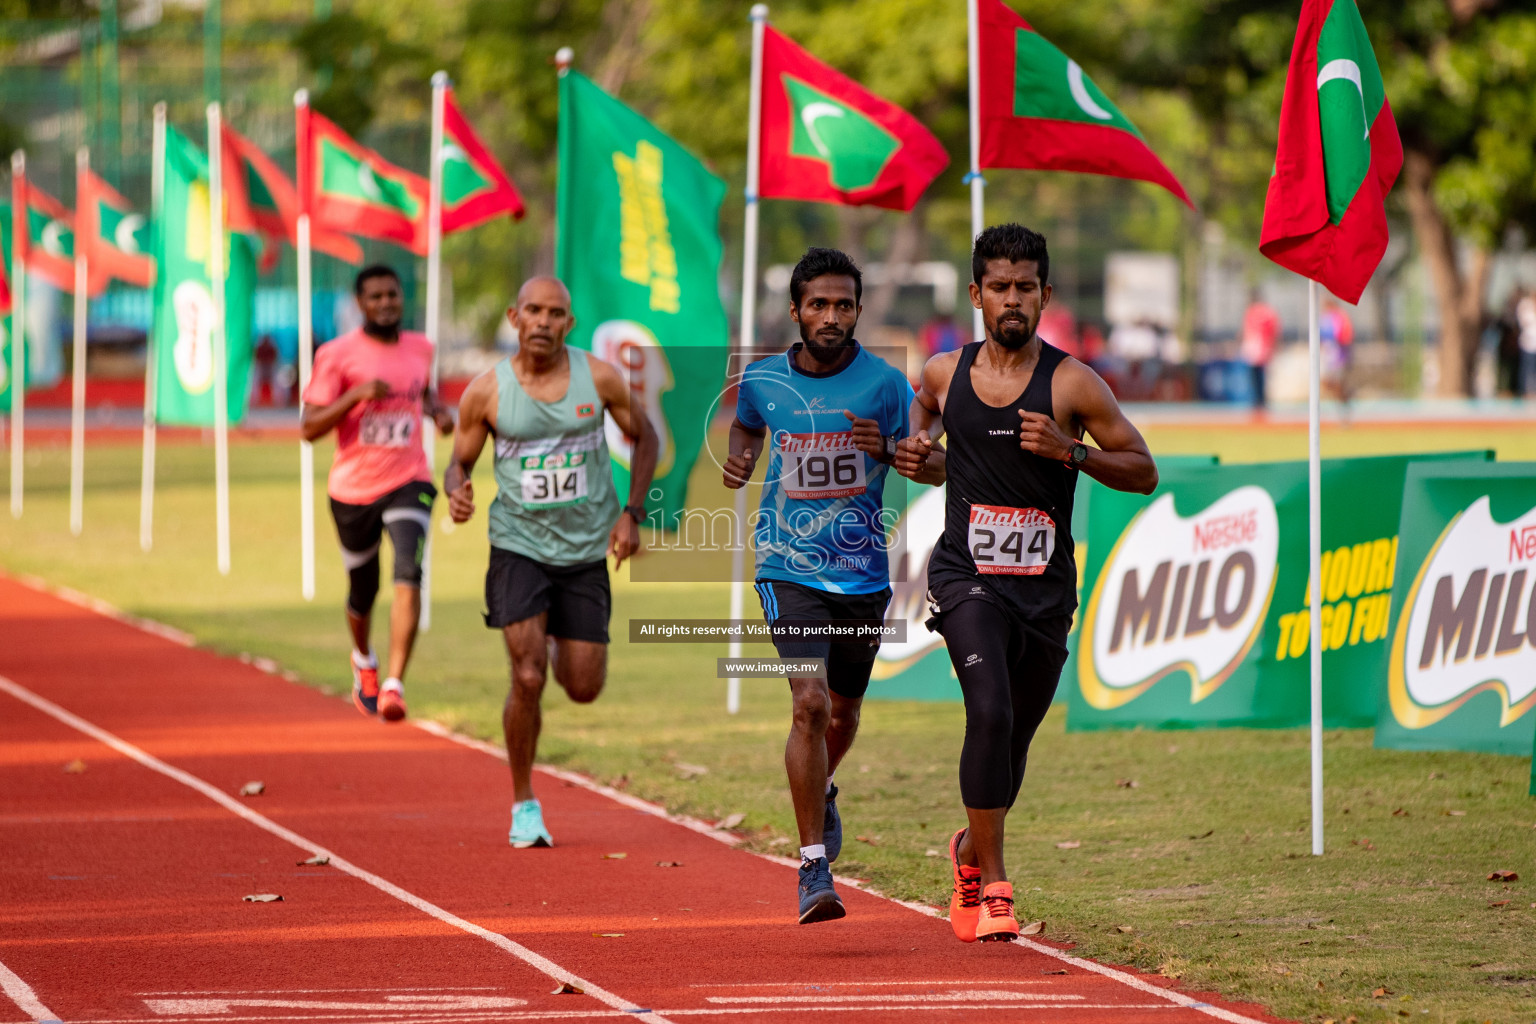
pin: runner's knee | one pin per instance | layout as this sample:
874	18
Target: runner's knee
408	534
362	579
812	708
528	679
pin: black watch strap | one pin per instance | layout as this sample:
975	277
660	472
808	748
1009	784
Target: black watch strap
635	512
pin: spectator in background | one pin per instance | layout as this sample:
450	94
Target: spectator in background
1525	316
265	358
1261	332
1337	335
940	335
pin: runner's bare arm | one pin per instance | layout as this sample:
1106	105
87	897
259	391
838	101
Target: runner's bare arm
477	411
920	457
440	411
321	420
745	445
624	538
1121	461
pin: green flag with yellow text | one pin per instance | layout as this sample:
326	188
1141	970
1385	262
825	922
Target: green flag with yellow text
639	248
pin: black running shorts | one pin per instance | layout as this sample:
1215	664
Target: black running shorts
848	661
575	596
405	512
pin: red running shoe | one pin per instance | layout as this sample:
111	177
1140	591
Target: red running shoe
965	900
392	701
365	685
997	923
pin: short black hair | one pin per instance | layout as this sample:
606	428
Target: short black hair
1011	242
371	272
818	262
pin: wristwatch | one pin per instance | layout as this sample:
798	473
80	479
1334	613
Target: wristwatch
890	446
635	512
1079	455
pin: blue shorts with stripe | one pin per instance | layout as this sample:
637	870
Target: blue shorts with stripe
848	661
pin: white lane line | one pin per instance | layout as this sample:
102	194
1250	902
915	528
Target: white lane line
297	991
22	995
1177	998
858	984
521	952
399	1018
972	995
928	1008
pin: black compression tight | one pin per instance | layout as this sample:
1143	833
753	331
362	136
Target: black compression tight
1008	679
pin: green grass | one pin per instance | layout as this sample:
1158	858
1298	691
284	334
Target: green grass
1201	870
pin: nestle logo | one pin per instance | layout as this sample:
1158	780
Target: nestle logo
1225	531
1522	544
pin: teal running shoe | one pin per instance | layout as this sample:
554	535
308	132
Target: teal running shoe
528	826
832	827
818	899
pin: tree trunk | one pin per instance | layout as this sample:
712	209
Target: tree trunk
905	247
1460	298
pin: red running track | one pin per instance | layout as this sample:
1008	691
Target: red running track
121	884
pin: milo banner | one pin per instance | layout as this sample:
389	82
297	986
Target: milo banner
639	248
183	293
1461	667
919	669
1196	610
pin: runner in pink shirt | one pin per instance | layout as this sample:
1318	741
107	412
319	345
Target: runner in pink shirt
371	386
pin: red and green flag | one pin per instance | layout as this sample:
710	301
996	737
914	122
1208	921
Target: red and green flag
116	239
827	139
347	187
1337	158
262	201
475	188
1040	110
44	237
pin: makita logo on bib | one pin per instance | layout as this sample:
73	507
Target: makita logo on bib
1180	594
1002	516
840	442
1468	624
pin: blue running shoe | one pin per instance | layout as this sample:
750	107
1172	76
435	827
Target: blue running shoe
832	827
528	826
818	900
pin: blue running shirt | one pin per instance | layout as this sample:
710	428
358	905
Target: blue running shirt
820	522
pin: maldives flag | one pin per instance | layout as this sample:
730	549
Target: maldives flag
261	200
114	236
475	188
827	139
348	187
1338	156
44	235
1039	110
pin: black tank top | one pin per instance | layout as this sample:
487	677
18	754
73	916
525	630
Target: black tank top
1008	512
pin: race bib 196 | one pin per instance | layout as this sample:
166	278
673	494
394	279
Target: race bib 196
821	466
1014	541
387	429
551	480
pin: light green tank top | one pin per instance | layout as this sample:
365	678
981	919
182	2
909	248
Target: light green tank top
555	500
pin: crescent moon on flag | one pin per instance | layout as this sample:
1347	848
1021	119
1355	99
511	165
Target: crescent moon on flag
813	112
1080	93
452	151
50	238
1342	70
368	183
126	227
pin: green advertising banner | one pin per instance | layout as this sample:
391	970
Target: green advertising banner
1461	668
183	295
1196	610
5	321
639	248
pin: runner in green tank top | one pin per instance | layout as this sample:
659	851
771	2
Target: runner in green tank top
554	516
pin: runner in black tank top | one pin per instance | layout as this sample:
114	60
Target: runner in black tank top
1002	579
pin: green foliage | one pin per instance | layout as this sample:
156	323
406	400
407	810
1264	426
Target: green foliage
355	58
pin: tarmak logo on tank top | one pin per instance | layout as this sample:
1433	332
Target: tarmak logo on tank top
1180	594
1002	433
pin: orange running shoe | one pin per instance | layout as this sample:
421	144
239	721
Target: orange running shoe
965	900
392	701
997	923
365	685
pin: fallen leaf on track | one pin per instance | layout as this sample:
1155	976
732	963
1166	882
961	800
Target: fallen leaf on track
614	856
74	767
669	863
1381	993
932	853
1504	876
1070	844
689	771
607	935
1127	783
567	989
1499	903
1455	814
1034	928
1124	929
1204	835
779	841
1399	813
871	840
263	897
253	789
319	861
1062	971
732	820
1364	844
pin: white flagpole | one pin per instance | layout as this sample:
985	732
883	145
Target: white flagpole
306	363
1315	548
973	57
434	313
77	410
157	213
18	338
219	276
748	321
